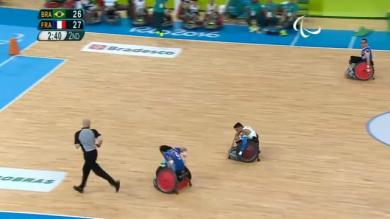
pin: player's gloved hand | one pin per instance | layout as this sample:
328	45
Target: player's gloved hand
368	68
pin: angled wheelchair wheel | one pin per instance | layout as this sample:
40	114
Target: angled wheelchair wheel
251	153
69	4
166	180
189	176
190	25
92	17
361	72
232	155
53	4
139	21
114	18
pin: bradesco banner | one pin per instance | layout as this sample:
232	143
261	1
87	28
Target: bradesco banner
30	180
131	50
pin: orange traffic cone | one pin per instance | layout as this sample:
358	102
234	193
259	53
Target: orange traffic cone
13	47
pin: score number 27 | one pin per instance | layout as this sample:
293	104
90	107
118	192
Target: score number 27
77	24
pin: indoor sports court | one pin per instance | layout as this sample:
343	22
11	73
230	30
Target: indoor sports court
324	138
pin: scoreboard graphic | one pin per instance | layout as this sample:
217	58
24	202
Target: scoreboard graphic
61	24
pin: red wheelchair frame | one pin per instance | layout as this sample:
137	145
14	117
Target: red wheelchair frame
167	181
251	153
59	4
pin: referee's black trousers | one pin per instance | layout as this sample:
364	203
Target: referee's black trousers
90	164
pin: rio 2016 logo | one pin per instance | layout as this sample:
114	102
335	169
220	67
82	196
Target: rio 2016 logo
303	30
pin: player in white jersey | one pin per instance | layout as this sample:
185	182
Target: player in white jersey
211	7
109	3
110	10
242	136
140	7
85	4
194	9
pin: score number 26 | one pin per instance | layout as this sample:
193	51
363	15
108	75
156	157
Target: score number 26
78	13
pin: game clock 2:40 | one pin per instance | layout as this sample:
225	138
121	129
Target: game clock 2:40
65	35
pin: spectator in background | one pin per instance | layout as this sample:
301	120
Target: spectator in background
211	8
193	11
140	7
290	10
158	16
270	9
254	10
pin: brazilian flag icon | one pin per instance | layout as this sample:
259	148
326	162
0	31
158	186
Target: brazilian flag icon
59	13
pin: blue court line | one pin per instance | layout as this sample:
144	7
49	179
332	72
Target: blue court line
23	215
379	40
21	74
381	132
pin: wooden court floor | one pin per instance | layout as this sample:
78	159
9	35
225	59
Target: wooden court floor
318	160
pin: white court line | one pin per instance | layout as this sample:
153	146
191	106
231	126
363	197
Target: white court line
40	57
29	46
59	215
221	42
6	61
295	40
33	85
352	42
12	57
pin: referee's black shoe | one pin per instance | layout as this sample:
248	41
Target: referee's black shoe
78	189
117	185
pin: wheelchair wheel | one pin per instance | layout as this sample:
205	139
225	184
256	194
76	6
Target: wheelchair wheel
114	18
69	4
361	72
189	176
54	4
232	155
251	153
92	17
210	25
166	180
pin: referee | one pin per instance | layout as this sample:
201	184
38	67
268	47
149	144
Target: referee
89	139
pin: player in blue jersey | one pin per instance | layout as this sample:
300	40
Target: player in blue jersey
174	159
365	55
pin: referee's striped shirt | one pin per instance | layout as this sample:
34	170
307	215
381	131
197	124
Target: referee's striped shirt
86	137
